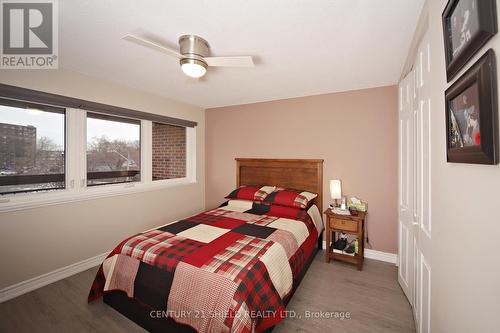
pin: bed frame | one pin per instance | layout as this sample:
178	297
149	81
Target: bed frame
304	174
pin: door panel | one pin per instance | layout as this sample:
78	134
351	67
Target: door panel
416	166
406	184
424	296
403	257
404	178
425	142
416	284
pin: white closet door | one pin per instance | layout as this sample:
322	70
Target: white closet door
422	215
415	225
406	184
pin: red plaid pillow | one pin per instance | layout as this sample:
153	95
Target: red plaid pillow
291	198
253	193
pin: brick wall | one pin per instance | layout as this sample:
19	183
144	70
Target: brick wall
169	151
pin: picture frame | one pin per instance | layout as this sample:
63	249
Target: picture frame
472	114
467	26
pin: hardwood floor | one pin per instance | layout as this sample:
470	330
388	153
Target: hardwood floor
372	297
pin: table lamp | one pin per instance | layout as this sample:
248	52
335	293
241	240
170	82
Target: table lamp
335	191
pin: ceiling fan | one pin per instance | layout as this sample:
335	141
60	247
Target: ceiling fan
193	54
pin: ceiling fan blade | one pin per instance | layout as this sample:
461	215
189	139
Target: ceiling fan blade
191	80
243	61
152	45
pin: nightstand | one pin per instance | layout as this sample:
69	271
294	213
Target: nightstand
350	224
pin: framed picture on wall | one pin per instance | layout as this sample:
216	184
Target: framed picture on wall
467	25
472	114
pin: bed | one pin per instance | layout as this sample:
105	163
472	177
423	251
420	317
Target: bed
229	269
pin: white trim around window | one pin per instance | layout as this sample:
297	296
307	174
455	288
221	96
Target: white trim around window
76	170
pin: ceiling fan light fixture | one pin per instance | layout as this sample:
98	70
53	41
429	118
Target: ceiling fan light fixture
193	53
193	67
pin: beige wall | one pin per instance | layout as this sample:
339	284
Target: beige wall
354	132
37	241
465	283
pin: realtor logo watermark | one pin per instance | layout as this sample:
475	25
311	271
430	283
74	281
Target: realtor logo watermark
29	34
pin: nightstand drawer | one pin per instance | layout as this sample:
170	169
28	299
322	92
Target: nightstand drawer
346	225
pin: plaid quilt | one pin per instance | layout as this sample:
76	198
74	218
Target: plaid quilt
224	270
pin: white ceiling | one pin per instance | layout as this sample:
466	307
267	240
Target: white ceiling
300	47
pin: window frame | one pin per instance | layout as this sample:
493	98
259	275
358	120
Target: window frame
76	166
55	177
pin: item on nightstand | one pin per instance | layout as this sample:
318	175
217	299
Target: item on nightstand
341	211
357	204
340	244
343	203
350	249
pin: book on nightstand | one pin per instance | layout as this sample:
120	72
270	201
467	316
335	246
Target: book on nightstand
343	252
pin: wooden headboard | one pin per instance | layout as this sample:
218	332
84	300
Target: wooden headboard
301	174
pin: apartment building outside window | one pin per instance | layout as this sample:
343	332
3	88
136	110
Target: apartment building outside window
32	147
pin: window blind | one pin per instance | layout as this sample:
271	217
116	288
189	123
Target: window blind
34	96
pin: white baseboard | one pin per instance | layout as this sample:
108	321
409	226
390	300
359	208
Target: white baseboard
377	255
381	256
37	282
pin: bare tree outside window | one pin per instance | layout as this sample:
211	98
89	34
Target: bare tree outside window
113	150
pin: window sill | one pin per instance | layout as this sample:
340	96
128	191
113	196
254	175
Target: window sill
18	202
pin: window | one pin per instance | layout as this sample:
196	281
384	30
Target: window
113	149
169	151
60	149
32	147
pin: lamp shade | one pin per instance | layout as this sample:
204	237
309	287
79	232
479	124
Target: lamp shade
335	189
193	67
